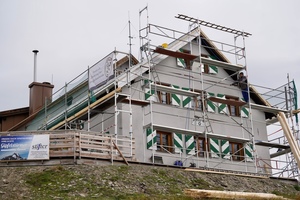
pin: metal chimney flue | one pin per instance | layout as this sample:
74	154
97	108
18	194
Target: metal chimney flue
34	68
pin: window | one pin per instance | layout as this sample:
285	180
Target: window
205	67
236	151
164	97
197	103
233	110
164	141
183	62
200	146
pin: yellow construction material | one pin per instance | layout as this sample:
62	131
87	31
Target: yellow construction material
289	135
197	194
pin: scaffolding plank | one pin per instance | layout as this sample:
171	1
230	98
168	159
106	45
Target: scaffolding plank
271	144
172	90
175	54
197	133
279	153
136	102
266	108
231	102
224	65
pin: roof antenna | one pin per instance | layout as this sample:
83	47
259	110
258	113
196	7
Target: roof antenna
34	68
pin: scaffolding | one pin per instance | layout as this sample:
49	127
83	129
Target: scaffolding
151	51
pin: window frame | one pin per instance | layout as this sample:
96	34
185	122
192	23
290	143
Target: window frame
237	109
201	150
236	155
161	147
167	95
197	102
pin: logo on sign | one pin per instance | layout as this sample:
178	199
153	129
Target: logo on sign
108	66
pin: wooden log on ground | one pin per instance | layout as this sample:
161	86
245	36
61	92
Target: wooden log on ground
198	194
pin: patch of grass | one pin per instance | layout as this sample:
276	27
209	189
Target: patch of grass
123	169
54	182
44	178
297	187
288	196
161	172
202	184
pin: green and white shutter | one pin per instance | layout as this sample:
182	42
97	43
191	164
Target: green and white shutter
186	101
176	99
222	108
180	61
150	96
178	143
213	69
214	147
244	111
225	149
151	139
249	152
190	144
210	105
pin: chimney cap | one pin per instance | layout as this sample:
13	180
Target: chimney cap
35	51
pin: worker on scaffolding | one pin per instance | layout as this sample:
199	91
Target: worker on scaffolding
242	83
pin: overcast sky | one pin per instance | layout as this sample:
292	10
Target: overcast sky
74	34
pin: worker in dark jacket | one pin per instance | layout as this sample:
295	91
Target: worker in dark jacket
242	83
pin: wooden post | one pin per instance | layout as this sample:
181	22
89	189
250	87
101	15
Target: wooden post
120	152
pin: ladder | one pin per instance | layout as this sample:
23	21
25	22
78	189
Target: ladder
205	119
208	126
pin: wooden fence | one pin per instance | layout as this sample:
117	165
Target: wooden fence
82	144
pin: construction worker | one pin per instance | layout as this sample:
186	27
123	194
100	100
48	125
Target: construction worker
242	83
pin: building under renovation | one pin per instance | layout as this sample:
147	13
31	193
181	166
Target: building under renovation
174	105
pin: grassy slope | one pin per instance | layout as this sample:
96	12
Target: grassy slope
123	182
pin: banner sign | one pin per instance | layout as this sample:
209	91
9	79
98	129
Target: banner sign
101	72
25	147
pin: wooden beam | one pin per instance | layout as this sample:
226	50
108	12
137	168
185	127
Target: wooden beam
198	194
296	111
175	54
231	102
120	152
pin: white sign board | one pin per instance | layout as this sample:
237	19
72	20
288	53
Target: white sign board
101	72
24	147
